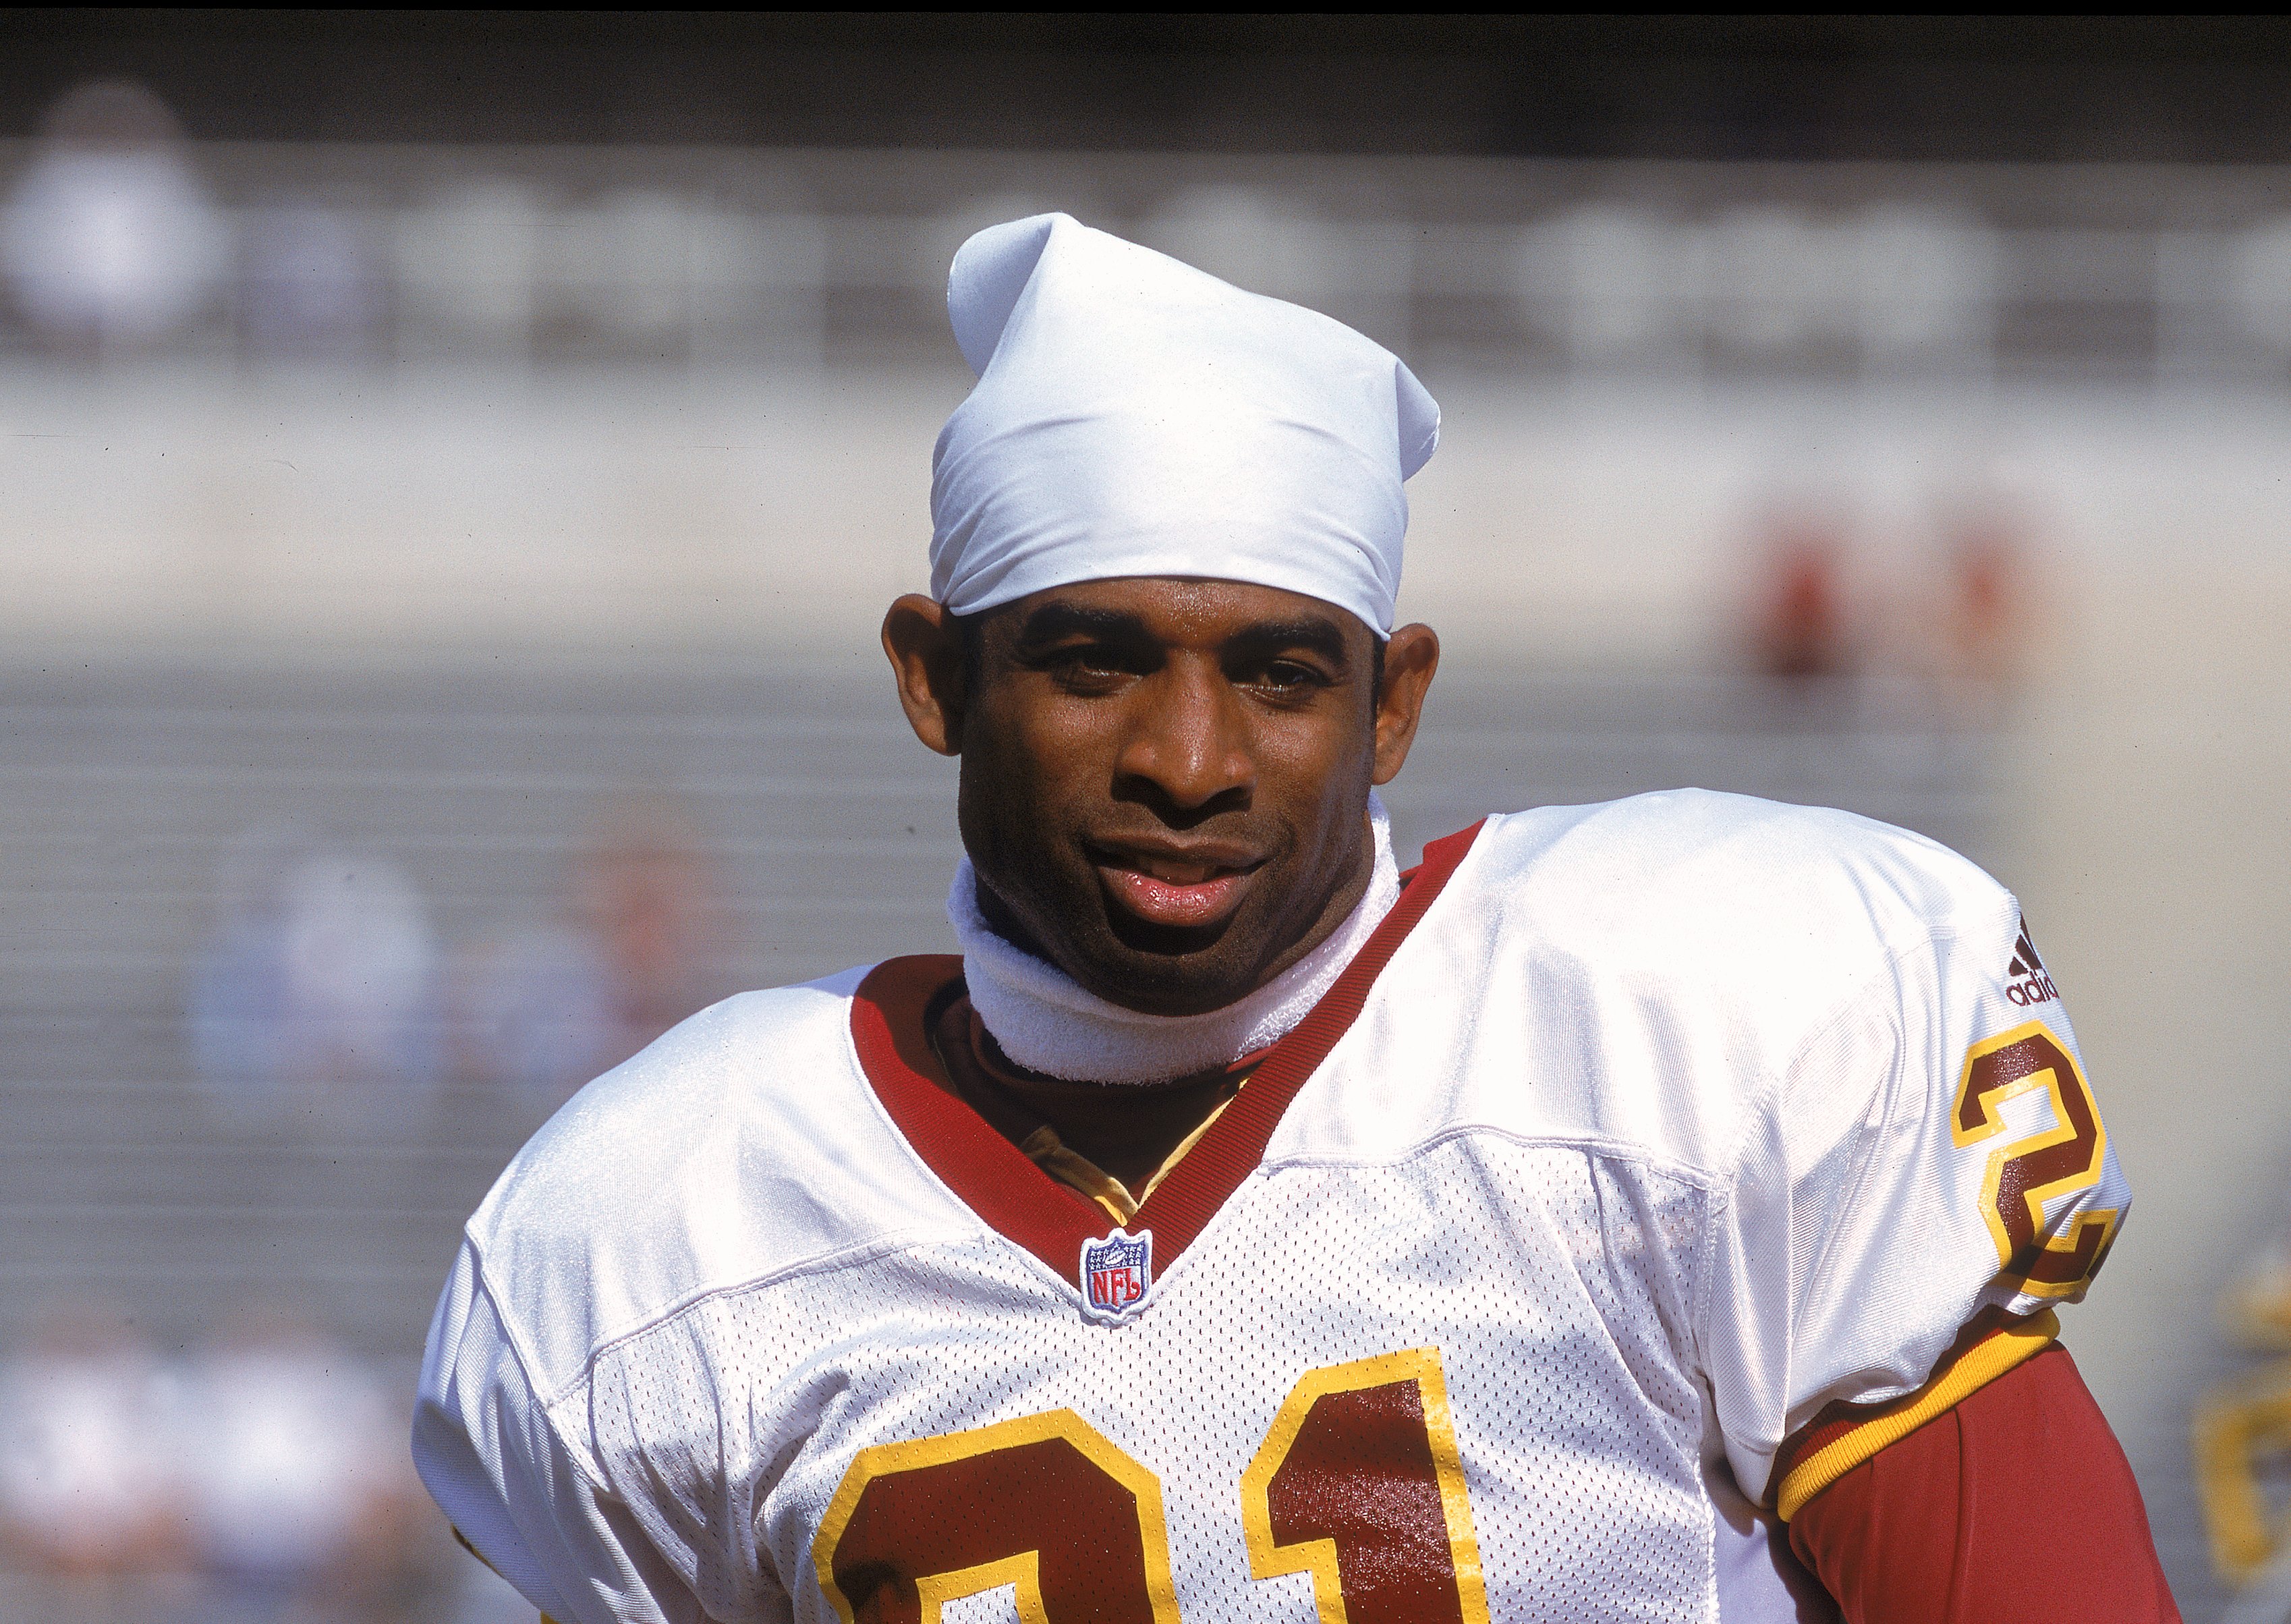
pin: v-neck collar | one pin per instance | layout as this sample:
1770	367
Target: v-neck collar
1000	1183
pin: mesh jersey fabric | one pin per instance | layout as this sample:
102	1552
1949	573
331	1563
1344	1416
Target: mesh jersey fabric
1645	1145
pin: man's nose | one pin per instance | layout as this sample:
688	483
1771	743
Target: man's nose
1189	738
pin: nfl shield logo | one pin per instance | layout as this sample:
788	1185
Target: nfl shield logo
1117	1273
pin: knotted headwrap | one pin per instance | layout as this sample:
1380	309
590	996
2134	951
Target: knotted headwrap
1135	416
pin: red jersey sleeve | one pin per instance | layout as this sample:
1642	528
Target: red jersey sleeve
2014	1503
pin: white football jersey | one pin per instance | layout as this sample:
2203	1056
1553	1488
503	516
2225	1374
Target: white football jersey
1637	1135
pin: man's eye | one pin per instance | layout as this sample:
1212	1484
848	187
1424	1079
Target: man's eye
1088	664
1287	674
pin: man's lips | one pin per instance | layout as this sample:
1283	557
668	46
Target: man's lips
1183	892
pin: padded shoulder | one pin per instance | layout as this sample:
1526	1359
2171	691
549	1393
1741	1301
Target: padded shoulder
1786	909
1644	972
743	1145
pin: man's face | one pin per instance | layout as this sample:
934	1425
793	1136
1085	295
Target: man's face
1165	782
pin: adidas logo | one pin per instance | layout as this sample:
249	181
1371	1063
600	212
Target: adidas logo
2026	982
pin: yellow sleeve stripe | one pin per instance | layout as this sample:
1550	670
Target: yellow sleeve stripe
1982	1364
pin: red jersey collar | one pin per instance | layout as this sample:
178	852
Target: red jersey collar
1003	1186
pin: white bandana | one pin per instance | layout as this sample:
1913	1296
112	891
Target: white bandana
1135	416
1047	1022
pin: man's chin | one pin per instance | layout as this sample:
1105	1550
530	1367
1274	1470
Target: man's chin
1162	971
1151	966
1165	941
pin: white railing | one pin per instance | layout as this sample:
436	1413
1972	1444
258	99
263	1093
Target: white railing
2137	275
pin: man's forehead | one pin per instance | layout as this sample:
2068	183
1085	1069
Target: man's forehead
1178	607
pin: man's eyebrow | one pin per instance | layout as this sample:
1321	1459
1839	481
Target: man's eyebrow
1054	621
1323	637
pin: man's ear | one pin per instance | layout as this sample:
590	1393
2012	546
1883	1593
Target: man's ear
1410	657
926	650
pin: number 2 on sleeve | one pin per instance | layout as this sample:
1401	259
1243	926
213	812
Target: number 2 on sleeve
2024	1174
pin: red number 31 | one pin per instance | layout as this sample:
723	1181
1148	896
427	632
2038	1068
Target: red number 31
1357	1484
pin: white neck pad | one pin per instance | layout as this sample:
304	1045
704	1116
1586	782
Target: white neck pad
1047	1022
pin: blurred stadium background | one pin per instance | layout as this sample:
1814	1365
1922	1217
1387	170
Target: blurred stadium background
451	468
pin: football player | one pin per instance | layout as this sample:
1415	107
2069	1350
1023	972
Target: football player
1653	1211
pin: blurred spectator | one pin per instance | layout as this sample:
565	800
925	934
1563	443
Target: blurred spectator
639	947
312	279
88	1493
1987	624
647	897
468	265
319	983
533	1010
109	239
1799	627
299	1488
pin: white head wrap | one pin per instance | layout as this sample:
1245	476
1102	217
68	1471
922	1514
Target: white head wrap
1135	416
